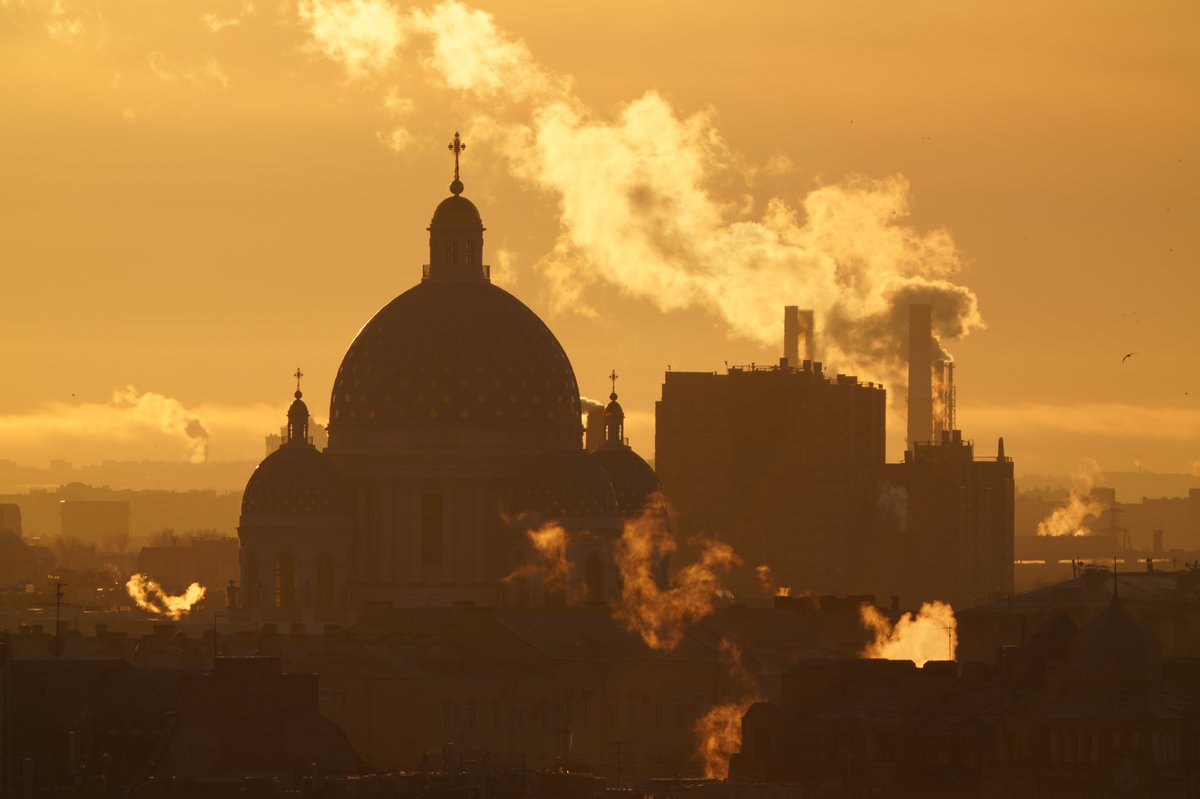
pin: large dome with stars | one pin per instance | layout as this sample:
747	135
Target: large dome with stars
456	353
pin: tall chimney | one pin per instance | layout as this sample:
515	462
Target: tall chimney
920	374
791	335
797	323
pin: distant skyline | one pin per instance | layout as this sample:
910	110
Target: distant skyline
202	197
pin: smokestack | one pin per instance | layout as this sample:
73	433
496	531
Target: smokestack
939	392
920	374
797	323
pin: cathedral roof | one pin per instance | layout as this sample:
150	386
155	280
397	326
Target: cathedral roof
565	483
296	480
632	478
462	354
1115	649
456	210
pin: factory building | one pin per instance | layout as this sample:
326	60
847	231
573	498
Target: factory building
787	464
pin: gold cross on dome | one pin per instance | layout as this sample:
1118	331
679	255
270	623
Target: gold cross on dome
456	147
613	377
298	375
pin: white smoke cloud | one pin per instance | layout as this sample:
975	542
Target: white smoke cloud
640	202
361	35
136	425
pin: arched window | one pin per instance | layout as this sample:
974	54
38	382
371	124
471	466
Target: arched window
324	581
285	581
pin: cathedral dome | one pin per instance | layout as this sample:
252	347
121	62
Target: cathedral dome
456	210
565	483
633	481
296	480
1115	649
460	354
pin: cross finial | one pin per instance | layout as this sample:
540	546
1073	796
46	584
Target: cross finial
613	377
456	147
298	375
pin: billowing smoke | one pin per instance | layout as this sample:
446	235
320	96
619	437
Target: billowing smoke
1081	508
168	415
932	634
643	198
719	730
152	598
660	615
768	583
588	404
552	566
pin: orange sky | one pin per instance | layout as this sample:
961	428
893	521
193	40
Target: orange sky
200	196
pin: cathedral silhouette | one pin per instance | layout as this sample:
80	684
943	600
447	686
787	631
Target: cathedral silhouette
455	429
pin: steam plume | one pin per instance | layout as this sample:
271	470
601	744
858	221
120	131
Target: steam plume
660	615
169	415
151	597
932	634
550	544
639	206
766	580
1073	517
719	730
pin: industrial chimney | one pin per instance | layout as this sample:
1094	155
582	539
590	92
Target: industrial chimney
920	374
797	323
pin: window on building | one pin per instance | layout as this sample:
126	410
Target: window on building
432	528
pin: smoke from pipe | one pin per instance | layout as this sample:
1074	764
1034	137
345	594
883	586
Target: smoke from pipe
660	615
152	598
932	634
719	730
169	415
645	197
549	542
1075	517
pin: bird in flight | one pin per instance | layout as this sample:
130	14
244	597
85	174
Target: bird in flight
1128	355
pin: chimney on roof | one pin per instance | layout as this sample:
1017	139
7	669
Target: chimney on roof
920	373
797	323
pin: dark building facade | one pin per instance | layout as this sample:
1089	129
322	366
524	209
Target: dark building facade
1076	712
951	518
454	429
767	458
787	464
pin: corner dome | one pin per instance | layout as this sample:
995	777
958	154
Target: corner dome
633	481
561	484
1115	649
296	480
457	354
456	210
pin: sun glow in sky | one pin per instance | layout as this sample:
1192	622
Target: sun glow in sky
200	196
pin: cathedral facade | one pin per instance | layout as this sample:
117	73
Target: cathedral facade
454	431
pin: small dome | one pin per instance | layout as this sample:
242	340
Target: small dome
298	411
296	480
1115	649
632	479
614	410
564	483
456	210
